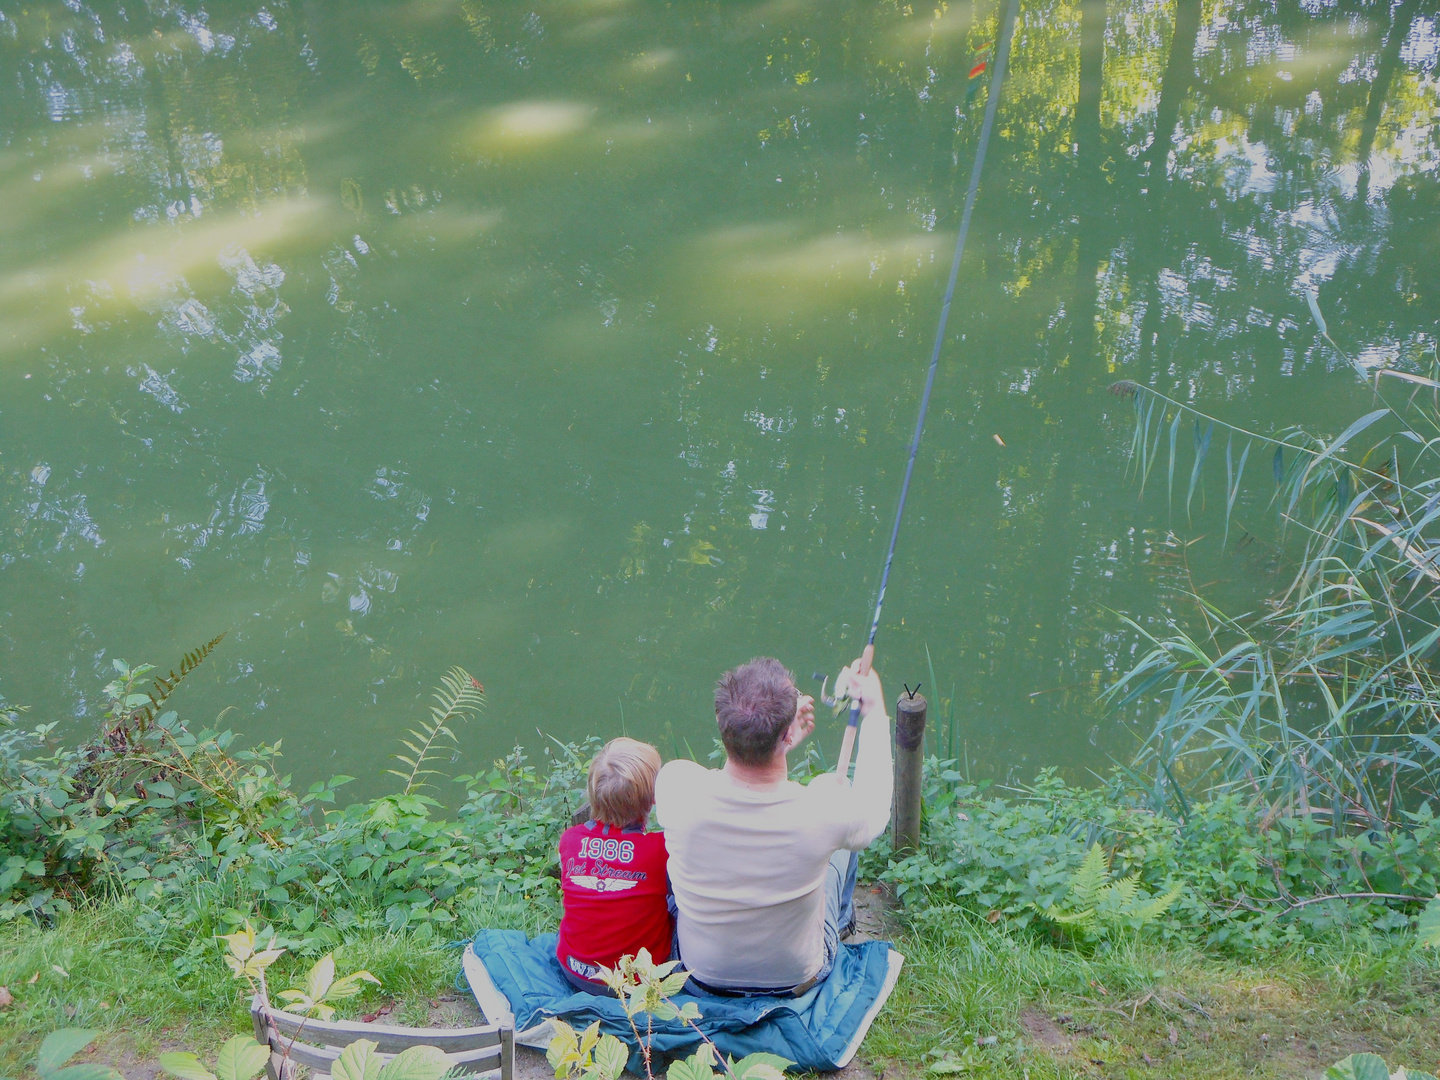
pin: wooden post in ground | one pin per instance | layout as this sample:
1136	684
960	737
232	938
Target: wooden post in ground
909	770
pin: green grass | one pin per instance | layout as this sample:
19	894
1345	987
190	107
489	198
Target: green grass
1055	1011
96	968
1059	1013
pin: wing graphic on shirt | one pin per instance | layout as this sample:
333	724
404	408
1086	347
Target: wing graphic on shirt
599	884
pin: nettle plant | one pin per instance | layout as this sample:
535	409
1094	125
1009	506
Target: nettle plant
645	987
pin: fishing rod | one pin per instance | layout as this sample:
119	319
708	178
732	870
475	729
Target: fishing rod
1002	57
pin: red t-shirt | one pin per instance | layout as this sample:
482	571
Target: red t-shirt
613	885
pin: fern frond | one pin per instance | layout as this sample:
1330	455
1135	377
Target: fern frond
165	684
1149	910
457	698
1096	905
1122	893
1089	878
1082	920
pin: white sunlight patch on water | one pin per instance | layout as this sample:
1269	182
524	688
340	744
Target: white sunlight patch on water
652	61
444	225
522	125
141	264
776	264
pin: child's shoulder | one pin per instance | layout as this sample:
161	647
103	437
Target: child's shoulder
572	836
600	829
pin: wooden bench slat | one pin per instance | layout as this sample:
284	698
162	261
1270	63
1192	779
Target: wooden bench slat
317	1044
470	1057
316	1057
324	1057
495	1073
386	1037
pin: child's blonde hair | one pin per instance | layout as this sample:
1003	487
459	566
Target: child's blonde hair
621	784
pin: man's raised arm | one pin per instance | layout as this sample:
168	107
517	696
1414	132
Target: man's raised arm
874	784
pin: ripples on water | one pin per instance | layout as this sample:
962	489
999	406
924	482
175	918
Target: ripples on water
578	344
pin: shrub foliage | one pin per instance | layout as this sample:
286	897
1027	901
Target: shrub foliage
205	834
1233	879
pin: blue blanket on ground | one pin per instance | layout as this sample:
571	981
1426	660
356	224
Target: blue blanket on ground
818	1030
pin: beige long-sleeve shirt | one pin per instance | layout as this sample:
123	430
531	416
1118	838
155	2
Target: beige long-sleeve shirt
748	865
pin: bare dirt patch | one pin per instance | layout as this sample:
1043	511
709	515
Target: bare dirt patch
874	915
1044	1033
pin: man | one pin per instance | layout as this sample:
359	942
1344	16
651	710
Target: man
763	868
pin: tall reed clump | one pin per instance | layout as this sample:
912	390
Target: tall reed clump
1326	703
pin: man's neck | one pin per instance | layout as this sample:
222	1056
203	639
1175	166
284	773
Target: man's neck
773	772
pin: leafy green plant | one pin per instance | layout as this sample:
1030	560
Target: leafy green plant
701	1065
1095	904
245	961
1428	927
1370	1067
241	1058
322	987
201	831
141	710
361	1061
1248	880
587	1055
62	1045
970	1058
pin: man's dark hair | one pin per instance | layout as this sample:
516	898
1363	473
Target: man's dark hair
754	705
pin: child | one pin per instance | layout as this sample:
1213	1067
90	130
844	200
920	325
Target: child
613	881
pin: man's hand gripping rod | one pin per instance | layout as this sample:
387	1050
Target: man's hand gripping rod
847	744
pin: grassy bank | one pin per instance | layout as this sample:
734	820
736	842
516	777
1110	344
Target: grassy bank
1141	1008
97	967
1149	1009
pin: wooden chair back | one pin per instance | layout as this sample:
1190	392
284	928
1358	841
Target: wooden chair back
298	1040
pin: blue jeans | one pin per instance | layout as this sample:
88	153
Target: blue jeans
839	905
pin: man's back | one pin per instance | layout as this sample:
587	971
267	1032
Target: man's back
748	869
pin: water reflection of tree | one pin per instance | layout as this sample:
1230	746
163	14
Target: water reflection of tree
1162	228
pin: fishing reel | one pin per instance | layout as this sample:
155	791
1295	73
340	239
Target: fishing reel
839	701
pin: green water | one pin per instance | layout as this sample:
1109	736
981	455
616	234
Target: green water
578	343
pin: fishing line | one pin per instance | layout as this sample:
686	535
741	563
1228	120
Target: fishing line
992	103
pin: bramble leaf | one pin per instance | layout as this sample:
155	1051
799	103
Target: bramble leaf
358	1061
589	1039
349	985
185	1065
241	1058
89	1070
744	1069
416	1063
318	981
60	1046
698	1066
563	1050
1359	1067
1429	927
610	1057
